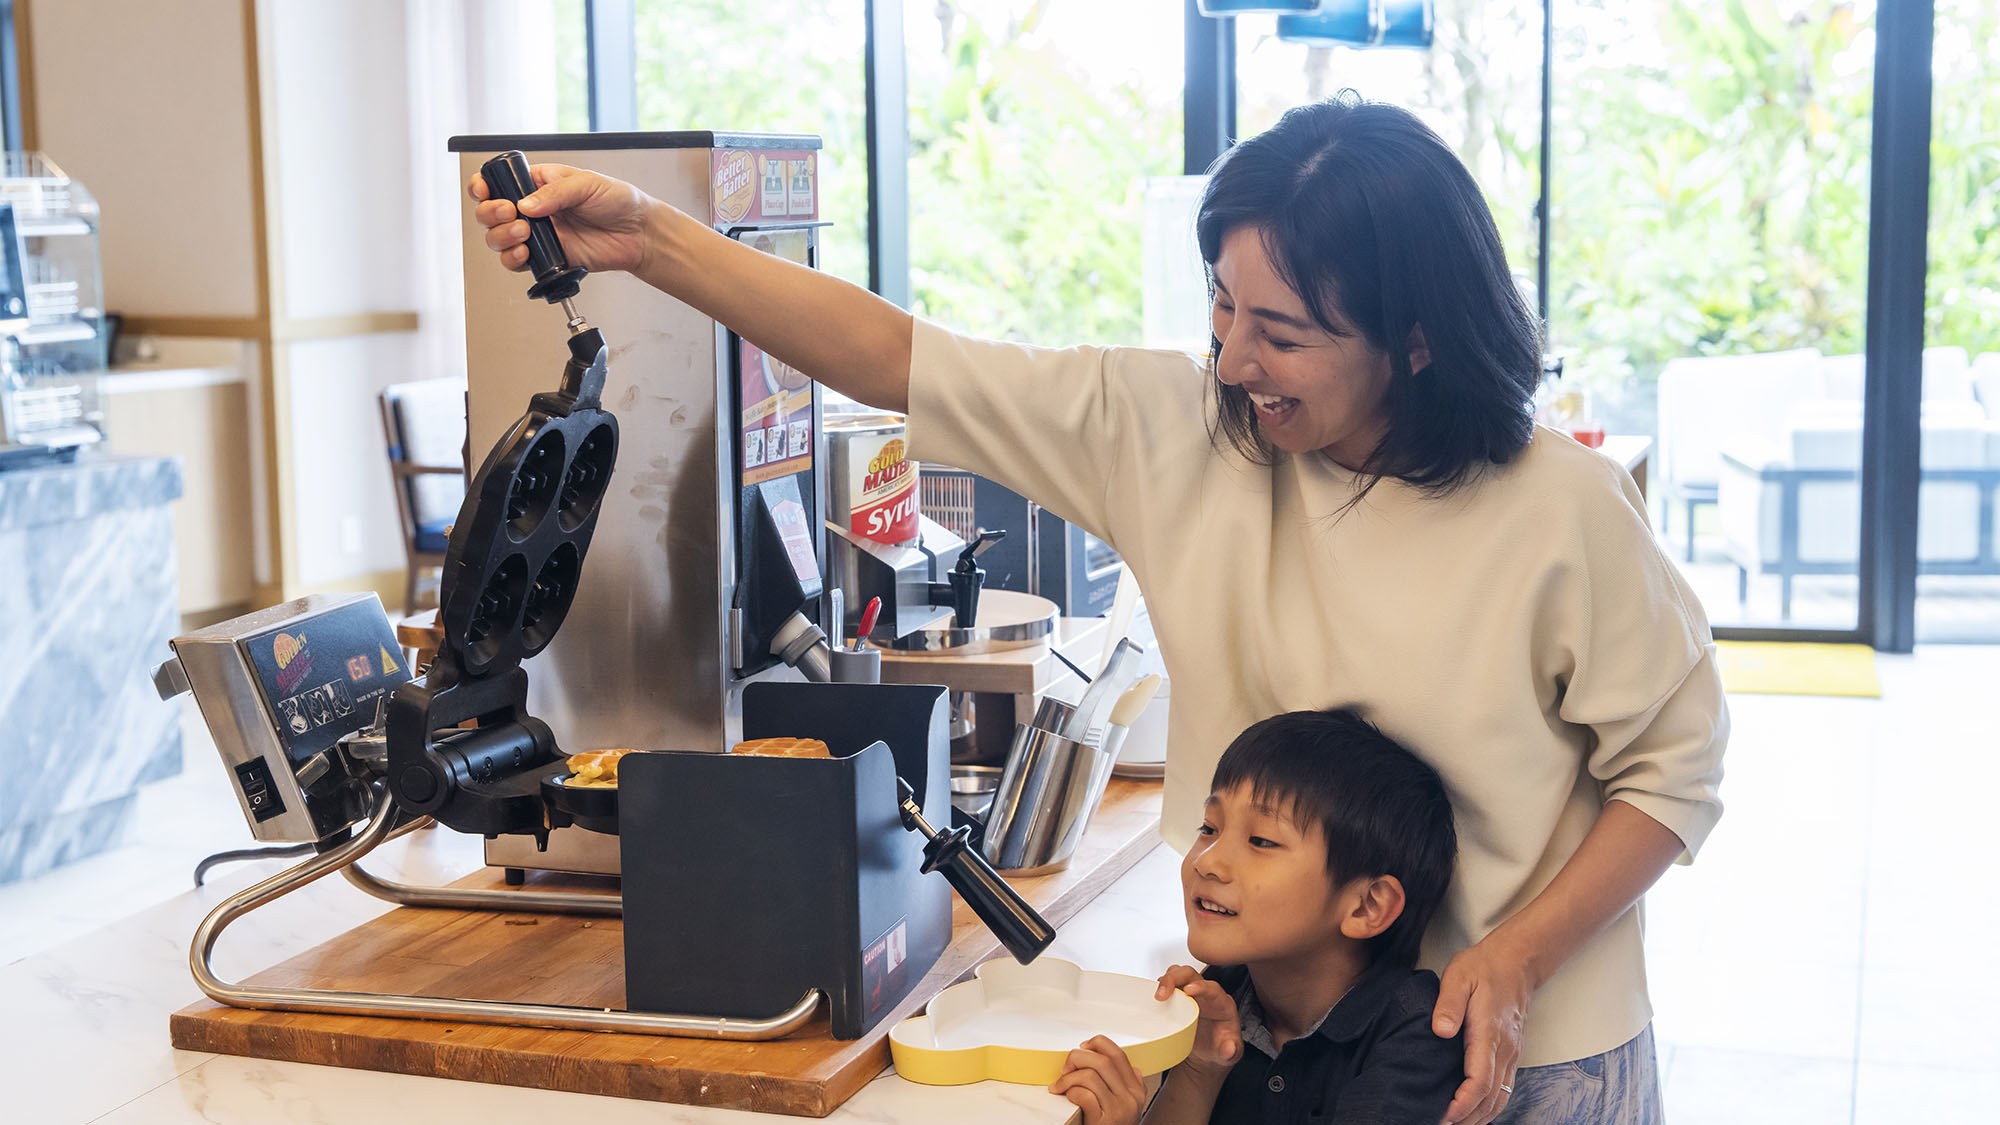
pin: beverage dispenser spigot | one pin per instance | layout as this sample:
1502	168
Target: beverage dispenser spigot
960	589
1024	932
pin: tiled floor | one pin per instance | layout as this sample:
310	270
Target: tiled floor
1826	961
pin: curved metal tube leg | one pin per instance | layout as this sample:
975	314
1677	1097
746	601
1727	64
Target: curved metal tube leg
463	898
381	828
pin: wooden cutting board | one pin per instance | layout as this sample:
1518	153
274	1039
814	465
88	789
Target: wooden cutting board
564	959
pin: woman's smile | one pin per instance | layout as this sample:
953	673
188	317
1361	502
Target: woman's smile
1273	409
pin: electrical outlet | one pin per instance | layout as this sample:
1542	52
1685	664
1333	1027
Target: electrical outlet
350	535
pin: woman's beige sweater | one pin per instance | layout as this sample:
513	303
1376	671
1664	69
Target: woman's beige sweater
1525	635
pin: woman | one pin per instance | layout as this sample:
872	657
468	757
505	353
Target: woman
1349	506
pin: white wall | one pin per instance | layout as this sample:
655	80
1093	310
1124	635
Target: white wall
344	505
341	83
340	77
474	68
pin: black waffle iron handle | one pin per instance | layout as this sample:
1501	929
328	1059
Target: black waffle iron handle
507	177
510	574
1024	932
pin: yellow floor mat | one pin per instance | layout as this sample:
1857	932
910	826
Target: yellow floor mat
1785	668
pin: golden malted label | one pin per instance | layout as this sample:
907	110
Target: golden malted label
886	465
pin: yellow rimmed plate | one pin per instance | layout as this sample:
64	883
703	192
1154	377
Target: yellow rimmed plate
1016	1023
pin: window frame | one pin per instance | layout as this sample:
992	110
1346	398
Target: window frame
1897	223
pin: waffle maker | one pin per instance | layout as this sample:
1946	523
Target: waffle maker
813	873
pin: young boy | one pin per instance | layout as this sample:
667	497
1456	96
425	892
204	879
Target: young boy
1324	847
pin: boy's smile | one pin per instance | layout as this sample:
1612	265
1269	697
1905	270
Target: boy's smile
1256	886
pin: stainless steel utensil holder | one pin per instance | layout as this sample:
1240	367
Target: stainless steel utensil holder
1049	789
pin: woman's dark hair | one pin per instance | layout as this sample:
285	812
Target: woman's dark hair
1382	809
1377	226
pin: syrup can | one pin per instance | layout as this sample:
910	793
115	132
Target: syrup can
873	490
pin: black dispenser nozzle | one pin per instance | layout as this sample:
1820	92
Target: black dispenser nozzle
960	589
1005	912
507	177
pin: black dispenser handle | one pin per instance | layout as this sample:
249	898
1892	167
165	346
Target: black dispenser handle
1024	932
507	177
960	589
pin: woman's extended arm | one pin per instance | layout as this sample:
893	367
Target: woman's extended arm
1486	987
836	333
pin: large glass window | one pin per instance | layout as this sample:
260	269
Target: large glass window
572	66
1709	274
1033	126
783	66
1958	561
1478	85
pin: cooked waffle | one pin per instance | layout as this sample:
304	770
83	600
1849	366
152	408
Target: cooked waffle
595	769
784	747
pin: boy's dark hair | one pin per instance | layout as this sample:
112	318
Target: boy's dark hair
1377	226
1383	810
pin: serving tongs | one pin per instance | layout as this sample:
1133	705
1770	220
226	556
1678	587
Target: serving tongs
1088	722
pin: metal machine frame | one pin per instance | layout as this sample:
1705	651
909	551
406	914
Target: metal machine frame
381	829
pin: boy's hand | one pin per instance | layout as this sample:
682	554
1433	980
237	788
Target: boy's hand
1218	1035
1103	1083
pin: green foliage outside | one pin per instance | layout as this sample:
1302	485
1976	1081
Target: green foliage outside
1025	169
783	66
1963	304
1026	179
1711	191
1712	177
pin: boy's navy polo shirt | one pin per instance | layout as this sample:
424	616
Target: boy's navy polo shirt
1372	1060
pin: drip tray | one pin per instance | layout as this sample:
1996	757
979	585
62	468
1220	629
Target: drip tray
1008	619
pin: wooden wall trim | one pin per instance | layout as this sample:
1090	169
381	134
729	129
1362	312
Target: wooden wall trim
282	331
24	71
332	327
224	327
282	521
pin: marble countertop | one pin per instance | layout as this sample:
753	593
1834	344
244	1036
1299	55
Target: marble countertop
85	1027
65	491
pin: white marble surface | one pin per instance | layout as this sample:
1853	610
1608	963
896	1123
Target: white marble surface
1819	964
85	1034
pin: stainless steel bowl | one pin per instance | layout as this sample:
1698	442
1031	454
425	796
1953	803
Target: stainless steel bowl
972	788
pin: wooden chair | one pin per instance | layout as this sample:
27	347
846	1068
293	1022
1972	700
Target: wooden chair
424	426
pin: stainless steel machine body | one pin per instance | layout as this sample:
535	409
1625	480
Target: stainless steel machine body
648	659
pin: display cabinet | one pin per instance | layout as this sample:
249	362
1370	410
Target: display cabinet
51	312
